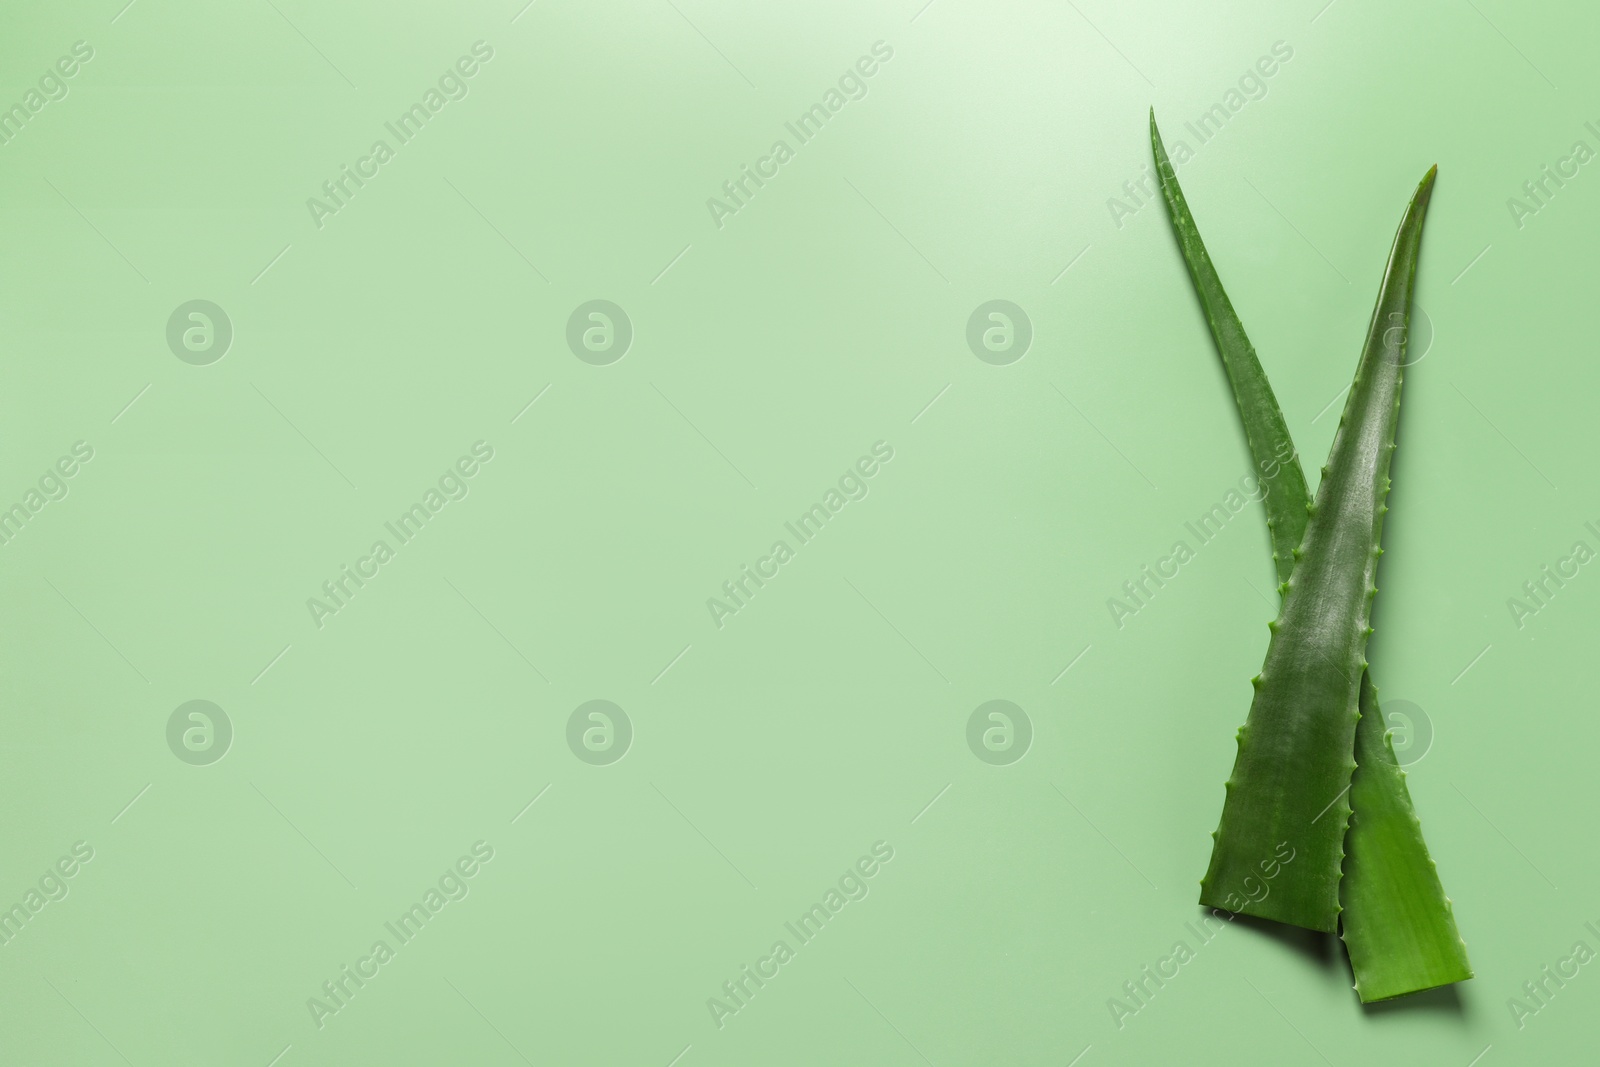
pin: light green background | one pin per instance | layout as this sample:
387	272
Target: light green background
769	354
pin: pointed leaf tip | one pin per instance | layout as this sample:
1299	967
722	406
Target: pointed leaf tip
1425	187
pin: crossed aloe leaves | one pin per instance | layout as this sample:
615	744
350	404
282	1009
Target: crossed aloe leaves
1315	767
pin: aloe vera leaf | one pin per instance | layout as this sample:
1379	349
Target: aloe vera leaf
1284	485
1398	925
1295	759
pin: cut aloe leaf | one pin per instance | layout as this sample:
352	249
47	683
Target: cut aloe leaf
1398	925
1276	463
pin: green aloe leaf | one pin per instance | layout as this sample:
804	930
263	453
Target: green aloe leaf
1277	465
1399	927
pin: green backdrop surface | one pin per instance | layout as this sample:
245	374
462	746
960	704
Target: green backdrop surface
398	381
